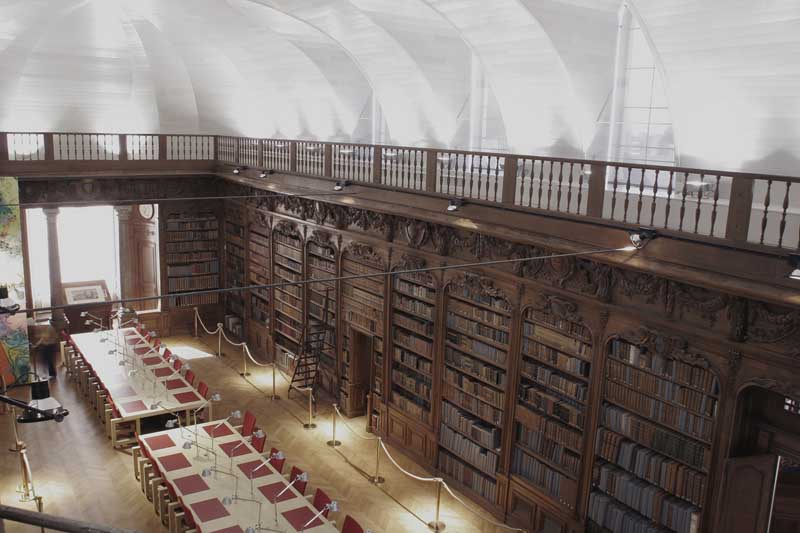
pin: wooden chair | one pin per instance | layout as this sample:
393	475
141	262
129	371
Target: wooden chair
189	377
277	463
181	519
248	424
351	526
177	364
119	431
320	501
258	443
300	485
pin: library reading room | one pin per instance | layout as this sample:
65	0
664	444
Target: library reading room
400	266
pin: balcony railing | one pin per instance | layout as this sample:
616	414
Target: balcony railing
740	208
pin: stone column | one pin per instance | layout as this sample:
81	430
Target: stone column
58	320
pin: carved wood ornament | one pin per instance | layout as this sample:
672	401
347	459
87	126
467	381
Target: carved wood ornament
410	262
366	254
666	346
480	286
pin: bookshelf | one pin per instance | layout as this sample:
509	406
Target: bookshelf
412	349
288	301
362	307
191	256
551	410
653	447
321	263
235	269
259	270
476	349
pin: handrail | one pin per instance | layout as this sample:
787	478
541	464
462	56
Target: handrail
57	523
738	207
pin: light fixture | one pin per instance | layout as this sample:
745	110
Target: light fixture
215	397
454	204
171	423
640	238
237	170
341	185
794	261
187	445
7	305
41	407
227	500
266	172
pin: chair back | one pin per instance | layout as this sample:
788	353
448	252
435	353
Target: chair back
249	424
202	388
187	515
190	377
177	364
258	442
320	501
300	485
167	354
277	463
351	526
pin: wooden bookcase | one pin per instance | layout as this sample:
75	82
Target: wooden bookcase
235	268
259	272
191	250
413	345
476	346
653	447
322	263
551	410
287	255
362	307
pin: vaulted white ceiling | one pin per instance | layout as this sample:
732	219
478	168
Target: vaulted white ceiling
530	76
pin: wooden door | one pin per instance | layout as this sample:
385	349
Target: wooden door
139	253
748	494
360	365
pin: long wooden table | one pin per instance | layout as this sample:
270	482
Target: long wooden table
203	496
153	381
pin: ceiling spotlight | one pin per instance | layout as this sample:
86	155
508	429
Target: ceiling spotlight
341	185
454	204
794	261
642	237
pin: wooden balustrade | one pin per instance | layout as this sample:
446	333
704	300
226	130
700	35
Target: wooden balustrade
741	208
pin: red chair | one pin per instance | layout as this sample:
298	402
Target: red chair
299	485
202	388
258	442
351	526
177	364
166	355
190	377
248	425
320	501
277	463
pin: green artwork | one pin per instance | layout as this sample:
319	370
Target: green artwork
14	351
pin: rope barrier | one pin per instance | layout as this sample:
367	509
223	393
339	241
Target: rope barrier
349	428
406	472
471	510
197	315
221	331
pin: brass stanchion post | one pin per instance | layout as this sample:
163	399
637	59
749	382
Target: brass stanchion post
244	373
274	393
195	323
333	443
436	524
377	479
310	424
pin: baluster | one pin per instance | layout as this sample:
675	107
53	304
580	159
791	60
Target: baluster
497	175
699	204
683	200
640	202
669	197
474	188
560	185
580	189
541	183
569	187
530	182
550	186
655	197
627	195
714	206
765	216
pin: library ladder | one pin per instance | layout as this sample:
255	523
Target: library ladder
318	336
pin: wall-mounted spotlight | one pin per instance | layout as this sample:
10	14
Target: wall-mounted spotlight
266	172
341	185
794	262
640	238
238	170
454	204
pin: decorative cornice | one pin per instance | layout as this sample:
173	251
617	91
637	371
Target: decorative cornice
480	286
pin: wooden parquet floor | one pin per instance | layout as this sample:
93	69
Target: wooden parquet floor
82	477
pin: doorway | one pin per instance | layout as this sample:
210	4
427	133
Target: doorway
360	370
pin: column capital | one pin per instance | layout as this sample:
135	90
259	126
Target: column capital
123	212
51	212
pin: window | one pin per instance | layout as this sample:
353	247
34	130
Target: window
641	125
792	406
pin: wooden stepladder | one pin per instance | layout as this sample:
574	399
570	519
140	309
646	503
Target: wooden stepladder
318	336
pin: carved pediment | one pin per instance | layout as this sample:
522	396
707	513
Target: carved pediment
558	307
411	262
480	287
288	228
323	238
666	346
365	254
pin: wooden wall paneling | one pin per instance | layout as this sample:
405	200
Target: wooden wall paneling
259	272
288	313
321	262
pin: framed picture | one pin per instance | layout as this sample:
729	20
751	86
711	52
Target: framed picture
86	292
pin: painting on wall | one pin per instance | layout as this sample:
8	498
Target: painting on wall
14	350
